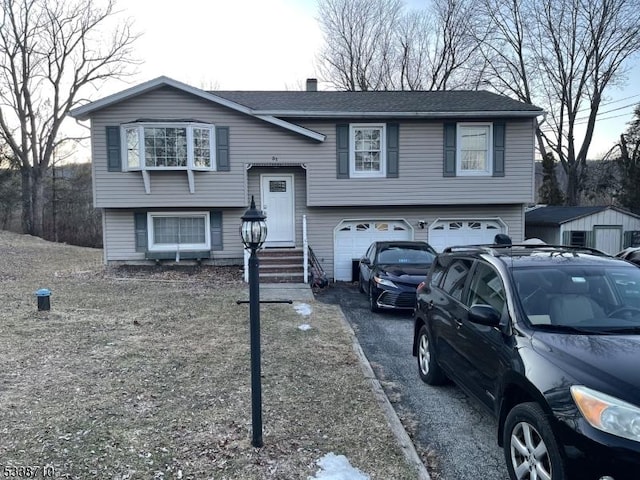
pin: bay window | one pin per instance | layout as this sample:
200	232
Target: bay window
179	146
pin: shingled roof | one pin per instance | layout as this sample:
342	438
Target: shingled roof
274	107
554	215
418	103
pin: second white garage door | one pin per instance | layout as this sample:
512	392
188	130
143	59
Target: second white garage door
444	233
353	237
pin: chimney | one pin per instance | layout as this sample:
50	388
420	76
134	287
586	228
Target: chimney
312	84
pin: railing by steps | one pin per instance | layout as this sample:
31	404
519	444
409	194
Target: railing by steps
318	275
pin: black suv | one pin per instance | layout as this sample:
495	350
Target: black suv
547	338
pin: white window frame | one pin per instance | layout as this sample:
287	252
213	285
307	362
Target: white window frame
488	170
189	126
184	247
353	173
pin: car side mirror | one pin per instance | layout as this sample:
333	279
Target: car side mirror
365	261
485	315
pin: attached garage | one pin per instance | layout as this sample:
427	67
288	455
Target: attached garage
444	233
353	237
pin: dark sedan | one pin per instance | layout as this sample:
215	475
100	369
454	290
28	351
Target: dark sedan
548	340
391	271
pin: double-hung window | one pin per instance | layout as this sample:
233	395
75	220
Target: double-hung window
367	152
178	232
175	146
474	152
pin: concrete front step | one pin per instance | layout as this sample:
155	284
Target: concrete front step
281	278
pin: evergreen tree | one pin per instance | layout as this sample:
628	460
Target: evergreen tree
550	192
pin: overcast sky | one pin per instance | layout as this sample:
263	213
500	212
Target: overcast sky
268	45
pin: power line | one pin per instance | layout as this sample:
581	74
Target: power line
609	111
548	128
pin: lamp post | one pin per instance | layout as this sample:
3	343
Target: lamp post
254	232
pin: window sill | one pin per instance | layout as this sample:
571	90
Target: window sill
178	255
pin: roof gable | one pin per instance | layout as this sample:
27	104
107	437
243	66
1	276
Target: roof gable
86	111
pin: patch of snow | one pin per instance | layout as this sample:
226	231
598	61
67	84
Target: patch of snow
337	467
304	327
303	309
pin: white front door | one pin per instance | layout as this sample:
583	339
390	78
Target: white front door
279	206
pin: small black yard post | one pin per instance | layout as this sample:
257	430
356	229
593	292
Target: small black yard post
254	232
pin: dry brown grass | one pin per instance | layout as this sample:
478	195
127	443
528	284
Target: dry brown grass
144	373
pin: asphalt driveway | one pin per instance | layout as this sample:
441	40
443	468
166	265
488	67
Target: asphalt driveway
459	436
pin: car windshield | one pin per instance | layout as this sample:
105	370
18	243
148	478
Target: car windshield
581	299
405	255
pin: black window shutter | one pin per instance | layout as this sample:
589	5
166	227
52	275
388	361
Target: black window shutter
114	160
215	219
342	151
449	163
498	149
222	149
140	226
628	239
393	149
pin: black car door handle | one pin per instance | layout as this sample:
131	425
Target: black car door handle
430	305
458	322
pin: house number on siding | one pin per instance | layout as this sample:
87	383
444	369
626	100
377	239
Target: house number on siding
274	159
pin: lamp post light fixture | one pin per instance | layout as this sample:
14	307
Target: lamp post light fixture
254	232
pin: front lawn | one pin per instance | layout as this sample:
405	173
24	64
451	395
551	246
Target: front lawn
143	373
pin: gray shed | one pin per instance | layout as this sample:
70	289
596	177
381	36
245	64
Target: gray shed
606	228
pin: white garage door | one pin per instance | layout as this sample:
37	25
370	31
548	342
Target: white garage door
444	233
352	238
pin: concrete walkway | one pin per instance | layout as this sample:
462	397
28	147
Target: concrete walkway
296	292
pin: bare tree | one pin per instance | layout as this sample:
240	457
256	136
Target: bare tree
439	47
375	45
562	55
49	53
358	51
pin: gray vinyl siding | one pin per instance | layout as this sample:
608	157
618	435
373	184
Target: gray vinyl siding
421	180
120	246
321	222
251	141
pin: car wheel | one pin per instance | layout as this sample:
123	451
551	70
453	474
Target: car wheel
373	305
430	371
530	448
360	283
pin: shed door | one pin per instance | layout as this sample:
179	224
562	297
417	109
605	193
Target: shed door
608	238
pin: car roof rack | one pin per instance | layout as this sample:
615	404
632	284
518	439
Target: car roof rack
493	249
